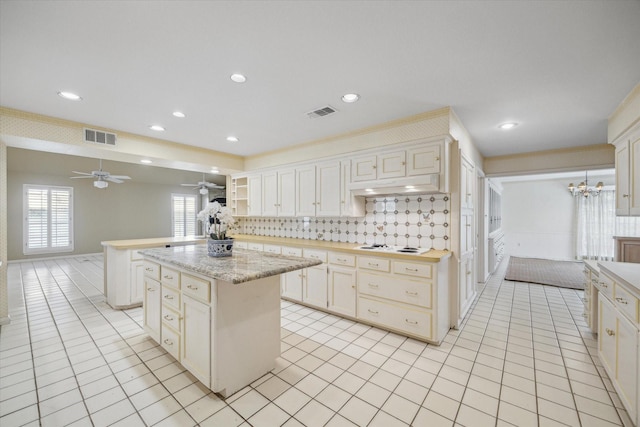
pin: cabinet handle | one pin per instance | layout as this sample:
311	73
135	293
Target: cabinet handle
371	285
604	285
168	277
372	311
413	294
437	158
622	301
168	297
167	341
625	195
373	265
610	332
193	288
151	289
411	269
411	322
341	260
148	269
167	317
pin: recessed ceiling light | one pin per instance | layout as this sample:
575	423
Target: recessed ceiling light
179	114
509	125
238	78
146	161
232	139
350	97
70	95
216	171
157	128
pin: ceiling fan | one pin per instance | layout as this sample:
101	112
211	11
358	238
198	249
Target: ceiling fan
101	176
204	186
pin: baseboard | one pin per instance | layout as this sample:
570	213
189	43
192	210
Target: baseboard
15	261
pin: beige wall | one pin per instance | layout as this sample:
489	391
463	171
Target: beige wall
134	209
4	297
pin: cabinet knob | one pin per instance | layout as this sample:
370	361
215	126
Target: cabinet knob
374	166
610	332
437	158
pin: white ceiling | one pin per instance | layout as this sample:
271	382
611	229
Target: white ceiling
558	68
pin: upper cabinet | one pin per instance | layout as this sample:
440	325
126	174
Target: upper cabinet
628	175
423	159
254	203
278	193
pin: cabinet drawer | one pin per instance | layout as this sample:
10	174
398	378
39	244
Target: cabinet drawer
240	245
169	276
171	297
287	251
171	341
406	291
413	269
254	246
195	287
626	303
415	322
171	317
152	270
371	263
605	285
342	259
272	249
314	254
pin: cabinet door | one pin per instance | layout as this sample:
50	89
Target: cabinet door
607	336
328	189
287	193
136	281
349	205
315	286
270	194
306	191
627	364
392	165
623	193
364	168
423	160
152	308
342	290
291	284
634	177
196	339
254	205
467	180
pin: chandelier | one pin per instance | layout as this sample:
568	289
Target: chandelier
583	188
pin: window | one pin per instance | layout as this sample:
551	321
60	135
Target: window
48	219
183	221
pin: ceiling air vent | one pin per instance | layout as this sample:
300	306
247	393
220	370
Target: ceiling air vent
99	137
321	112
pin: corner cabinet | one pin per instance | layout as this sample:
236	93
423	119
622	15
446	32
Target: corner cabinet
627	157
619	331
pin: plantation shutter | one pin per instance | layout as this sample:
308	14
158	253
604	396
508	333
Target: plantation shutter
184	215
48	221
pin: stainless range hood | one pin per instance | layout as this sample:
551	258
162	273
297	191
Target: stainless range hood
406	186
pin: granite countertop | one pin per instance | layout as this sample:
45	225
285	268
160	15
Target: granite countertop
432	255
626	273
152	242
243	266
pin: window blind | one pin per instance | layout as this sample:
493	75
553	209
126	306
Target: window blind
183	214
48	219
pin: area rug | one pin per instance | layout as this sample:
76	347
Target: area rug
564	274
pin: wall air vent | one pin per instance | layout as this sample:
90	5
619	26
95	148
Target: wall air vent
321	112
99	137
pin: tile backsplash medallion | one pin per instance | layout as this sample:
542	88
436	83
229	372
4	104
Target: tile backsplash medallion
417	221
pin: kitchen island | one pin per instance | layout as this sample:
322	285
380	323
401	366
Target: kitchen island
218	317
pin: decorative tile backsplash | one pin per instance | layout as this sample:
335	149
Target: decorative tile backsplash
416	221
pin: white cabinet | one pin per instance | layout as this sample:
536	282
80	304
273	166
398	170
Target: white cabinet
306	191
364	168
137	281
278	193
342	284
496	249
314	287
619	334
328	200
152	307
254	189
291	282
424	160
196	338
627	158
590	298
381	166
239	196
350	205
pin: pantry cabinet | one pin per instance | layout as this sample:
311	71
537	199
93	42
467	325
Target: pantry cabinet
627	157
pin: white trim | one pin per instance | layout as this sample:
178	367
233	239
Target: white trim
25	227
17	261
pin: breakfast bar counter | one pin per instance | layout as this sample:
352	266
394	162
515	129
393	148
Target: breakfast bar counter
218	317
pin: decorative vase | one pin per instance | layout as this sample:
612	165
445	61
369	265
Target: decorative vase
220	248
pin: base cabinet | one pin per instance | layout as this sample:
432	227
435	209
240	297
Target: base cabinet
619	340
196	342
342	290
152	306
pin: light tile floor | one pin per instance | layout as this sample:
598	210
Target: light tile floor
523	357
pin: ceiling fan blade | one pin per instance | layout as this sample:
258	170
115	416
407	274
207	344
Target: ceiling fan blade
113	179
120	176
86	176
82	173
190	185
